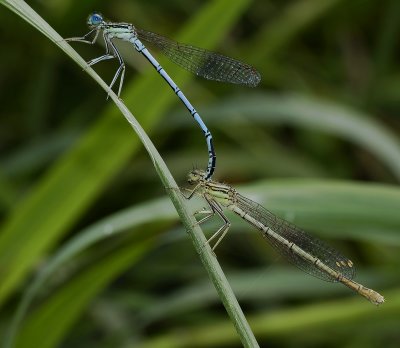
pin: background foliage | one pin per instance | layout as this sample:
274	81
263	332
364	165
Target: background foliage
317	143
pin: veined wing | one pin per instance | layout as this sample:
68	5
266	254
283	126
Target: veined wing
204	63
311	245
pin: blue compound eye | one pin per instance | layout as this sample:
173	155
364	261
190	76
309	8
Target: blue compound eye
95	19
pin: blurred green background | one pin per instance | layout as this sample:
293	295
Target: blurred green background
86	225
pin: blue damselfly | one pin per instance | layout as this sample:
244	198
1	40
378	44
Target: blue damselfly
204	63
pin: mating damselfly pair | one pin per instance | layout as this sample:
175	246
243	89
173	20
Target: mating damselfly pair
308	253
204	63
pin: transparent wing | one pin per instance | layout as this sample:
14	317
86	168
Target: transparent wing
309	244
207	64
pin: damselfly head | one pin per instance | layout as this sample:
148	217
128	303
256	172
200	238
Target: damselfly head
94	20
195	176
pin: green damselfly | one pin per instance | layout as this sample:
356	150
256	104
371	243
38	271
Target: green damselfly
306	252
